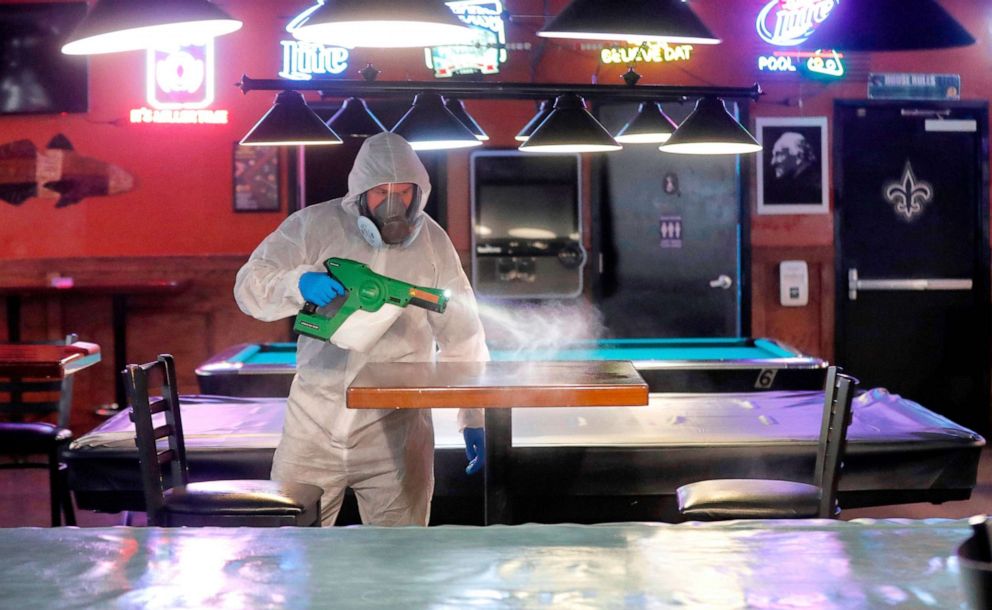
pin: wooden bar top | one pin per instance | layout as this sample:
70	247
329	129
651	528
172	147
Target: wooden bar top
96	288
424	385
46	361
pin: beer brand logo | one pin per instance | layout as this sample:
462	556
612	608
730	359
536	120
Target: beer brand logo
179	85
304	60
182	77
788	23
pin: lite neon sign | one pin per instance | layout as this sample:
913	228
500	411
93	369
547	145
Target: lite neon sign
179	86
787	23
304	60
650	52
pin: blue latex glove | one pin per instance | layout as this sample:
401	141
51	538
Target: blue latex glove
475	449
319	288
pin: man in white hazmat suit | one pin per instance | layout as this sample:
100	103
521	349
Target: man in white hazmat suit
386	456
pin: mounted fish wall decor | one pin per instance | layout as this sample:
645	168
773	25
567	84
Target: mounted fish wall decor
58	171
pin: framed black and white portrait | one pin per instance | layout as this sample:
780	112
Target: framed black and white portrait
792	173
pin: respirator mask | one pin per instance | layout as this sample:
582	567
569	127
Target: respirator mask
393	218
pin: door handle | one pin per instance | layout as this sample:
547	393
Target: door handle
723	281
855	284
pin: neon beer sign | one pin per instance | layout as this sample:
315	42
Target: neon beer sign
304	60
179	85
485	53
787	23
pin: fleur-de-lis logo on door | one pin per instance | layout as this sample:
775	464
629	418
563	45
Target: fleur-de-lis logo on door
908	195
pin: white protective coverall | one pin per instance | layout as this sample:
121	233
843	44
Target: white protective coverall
386	456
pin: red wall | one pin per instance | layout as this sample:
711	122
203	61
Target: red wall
182	200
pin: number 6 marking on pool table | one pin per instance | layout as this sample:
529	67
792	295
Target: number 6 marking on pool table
765	379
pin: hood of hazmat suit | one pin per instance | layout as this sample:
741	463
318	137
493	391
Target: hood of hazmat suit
386	456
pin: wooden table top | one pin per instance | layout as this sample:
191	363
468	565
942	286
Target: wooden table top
46	361
164	286
420	385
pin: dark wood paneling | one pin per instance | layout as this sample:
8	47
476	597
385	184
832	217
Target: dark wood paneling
809	328
191	325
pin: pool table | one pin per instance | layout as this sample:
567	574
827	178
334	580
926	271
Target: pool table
589	465
667	365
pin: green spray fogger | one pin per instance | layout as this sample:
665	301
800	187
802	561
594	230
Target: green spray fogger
364	290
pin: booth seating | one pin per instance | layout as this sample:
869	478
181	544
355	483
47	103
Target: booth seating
720	499
24	441
254	503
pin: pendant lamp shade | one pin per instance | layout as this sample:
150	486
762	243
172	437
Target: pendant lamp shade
428	125
128	25
290	122
649	126
710	130
888	25
639	20
542	113
382	23
354	119
457	108
570	129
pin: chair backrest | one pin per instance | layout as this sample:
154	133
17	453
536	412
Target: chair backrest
838	393
20	396
160	470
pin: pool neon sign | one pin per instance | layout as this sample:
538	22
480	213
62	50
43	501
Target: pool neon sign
787	23
817	63
179	85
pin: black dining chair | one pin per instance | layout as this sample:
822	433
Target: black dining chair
721	499
170	499
25	442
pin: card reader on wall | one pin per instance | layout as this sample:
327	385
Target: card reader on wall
793	283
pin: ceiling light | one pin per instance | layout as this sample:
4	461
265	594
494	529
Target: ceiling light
542	113
290	122
636	20
128	25
710	130
428	125
649	126
381	23
354	119
570	129
457	108
888	25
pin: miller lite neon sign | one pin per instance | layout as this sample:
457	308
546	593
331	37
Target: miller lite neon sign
179	85
787	23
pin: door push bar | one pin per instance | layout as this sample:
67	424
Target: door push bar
854	284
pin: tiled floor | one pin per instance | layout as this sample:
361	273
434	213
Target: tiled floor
24	502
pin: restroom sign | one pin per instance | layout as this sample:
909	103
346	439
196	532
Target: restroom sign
670	228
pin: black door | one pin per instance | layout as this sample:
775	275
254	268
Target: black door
912	243
668	235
